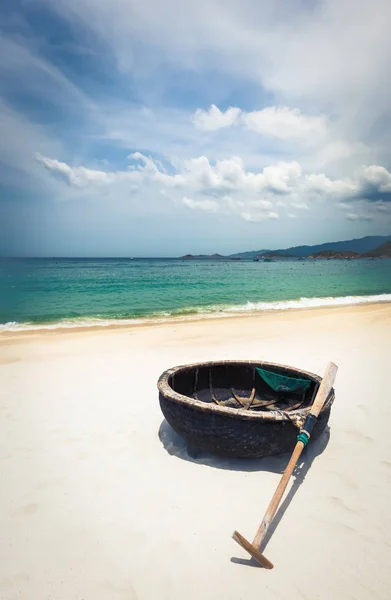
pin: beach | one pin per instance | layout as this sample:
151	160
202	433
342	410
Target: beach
101	501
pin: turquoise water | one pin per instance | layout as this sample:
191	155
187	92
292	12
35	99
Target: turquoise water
71	292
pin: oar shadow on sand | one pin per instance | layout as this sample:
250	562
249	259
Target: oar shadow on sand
176	446
314	449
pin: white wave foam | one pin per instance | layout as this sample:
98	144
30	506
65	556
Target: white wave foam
192	313
69	324
310	303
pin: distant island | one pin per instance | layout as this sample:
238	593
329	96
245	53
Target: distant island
375	246
203	257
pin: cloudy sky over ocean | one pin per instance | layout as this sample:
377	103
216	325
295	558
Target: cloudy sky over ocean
164	127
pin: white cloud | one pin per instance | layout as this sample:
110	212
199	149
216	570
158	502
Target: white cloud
356	217
305	110
278	122
226	176
299	50
285	123
258	217
283	177
375	178
226	186
262	204
321	184
300	54
300	205
334	150
204	205
344	206
83	177
212	119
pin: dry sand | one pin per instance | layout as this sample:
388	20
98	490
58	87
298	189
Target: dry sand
94	505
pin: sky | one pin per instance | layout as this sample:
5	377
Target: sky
165	127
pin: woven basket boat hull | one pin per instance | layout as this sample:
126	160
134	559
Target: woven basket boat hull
200	403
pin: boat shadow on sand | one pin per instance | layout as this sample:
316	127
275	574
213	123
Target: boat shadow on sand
176	446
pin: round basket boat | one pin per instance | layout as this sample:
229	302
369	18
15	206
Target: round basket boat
240	409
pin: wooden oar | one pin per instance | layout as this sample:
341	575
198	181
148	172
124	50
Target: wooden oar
302	439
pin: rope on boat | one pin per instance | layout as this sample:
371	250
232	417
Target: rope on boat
303	437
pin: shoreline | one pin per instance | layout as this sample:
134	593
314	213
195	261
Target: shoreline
196	320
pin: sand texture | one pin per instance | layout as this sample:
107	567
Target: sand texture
99	500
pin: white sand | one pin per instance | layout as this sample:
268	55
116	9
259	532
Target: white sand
93	507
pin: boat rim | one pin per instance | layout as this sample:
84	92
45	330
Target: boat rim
168	392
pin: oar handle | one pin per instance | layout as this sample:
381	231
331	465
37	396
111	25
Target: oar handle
278	494
321	397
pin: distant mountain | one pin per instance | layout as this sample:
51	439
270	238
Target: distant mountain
383	251
361	246
249	254
275	254
335	254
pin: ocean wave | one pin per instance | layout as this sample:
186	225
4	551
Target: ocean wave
311	303
197	312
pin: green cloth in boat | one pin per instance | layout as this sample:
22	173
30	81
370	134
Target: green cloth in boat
282	383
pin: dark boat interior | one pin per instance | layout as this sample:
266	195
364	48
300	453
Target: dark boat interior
239	386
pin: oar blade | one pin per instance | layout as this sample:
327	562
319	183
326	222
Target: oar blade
324	388
255	553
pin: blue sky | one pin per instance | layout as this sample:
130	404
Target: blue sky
160	128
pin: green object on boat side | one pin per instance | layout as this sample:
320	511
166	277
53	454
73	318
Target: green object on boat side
283	383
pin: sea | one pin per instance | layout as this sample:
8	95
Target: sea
81	292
